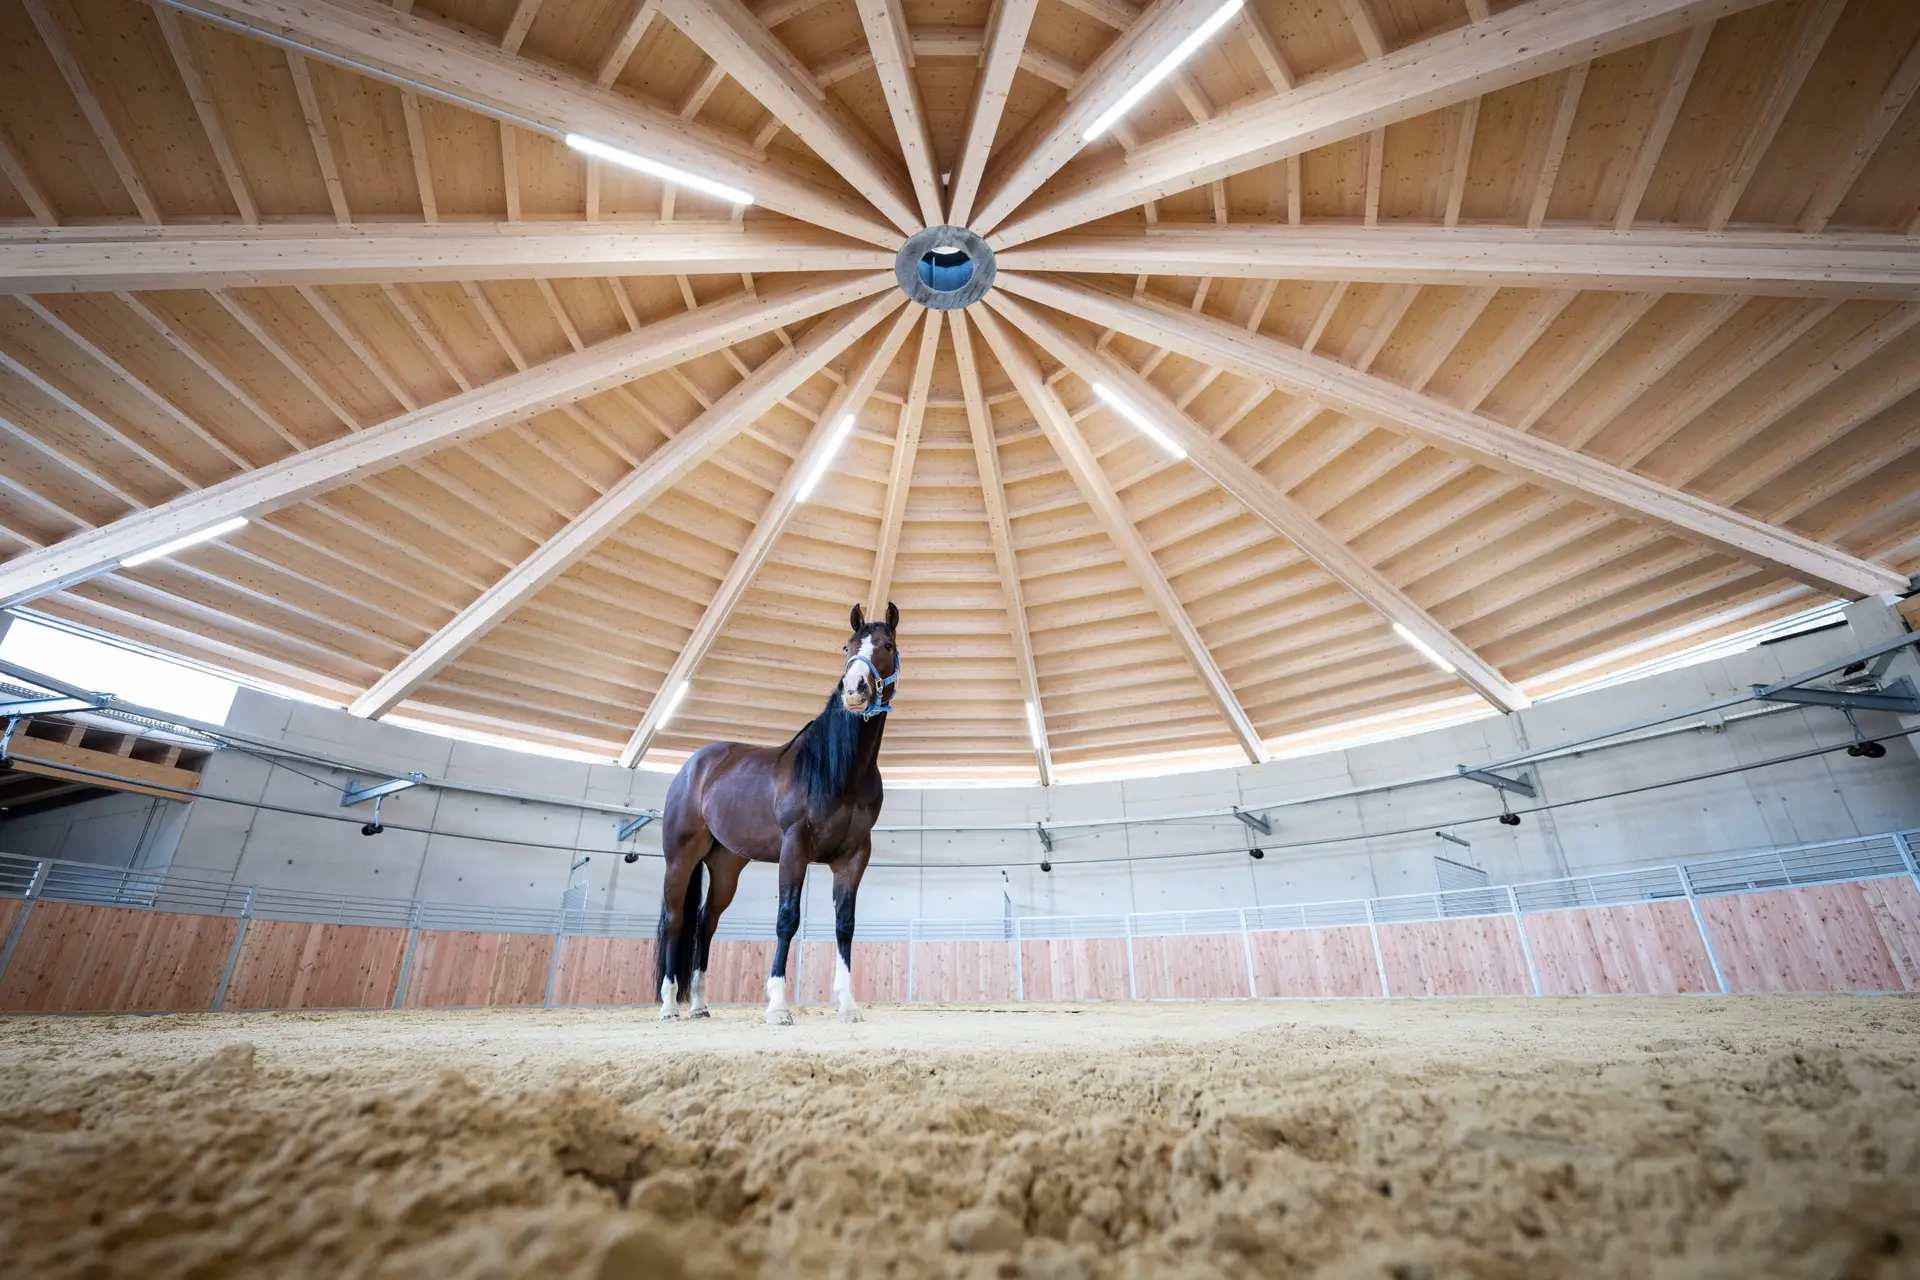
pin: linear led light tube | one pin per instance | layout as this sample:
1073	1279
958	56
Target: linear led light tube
841	430
655	169
1426	650
166	549
1033	724
1146	425
674	699
1147	83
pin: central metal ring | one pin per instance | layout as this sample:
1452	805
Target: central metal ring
945	268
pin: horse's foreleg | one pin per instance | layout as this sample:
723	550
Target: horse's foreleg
723	872
846	887
793	880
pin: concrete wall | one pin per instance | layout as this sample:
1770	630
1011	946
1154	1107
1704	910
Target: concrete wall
485	850
118	830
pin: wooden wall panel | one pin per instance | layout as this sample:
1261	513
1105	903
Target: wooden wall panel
74	958
1480	957
1314	962
606	971
1896	911
962	972
737	972
1648	947
1075	969
1815	938
9	912
879	972
286	964
1210	966
458	970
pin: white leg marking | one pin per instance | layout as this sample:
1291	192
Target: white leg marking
698	992
843	988
778	1015
669	1000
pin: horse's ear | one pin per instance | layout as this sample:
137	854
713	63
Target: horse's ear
859	617
893	616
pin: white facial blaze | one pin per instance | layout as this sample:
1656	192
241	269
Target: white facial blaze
857	671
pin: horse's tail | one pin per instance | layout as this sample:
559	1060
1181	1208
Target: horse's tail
689	929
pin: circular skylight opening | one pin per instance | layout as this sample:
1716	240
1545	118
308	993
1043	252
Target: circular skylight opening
945	268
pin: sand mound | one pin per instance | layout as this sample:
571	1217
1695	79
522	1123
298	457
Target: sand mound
1517	1138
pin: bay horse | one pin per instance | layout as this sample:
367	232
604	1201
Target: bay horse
812	800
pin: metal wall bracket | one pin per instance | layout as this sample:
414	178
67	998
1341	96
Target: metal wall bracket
634	826
1522	785
1046	837
1451	838
361	792
51	705
1255	821
1898	697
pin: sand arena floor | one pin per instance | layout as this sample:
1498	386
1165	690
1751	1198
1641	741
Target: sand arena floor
1623	1137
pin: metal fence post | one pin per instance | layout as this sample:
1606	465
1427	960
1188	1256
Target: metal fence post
1246	947
1379	960
1904	843
406	958
553	961
233	953
1133	985
34	885
1700	923
1526	948
910	932
1019	965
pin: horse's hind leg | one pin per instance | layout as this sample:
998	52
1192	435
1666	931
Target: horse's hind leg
723	877
685	843
846	886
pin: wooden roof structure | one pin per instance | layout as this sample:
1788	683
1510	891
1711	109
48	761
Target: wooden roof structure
1546	332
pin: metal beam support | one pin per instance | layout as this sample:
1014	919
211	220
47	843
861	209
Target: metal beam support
1521	785
361	792
1451	838
634	826
1255	822
1898	697
51	705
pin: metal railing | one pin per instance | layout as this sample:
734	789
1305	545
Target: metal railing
1861	858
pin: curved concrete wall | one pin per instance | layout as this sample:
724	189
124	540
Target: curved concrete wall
479	849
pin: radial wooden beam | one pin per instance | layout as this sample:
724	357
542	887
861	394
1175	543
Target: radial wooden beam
1081	464
1266	500
906	448
16	173
1813	23
986	457
727	32
1483	440
432	57
210	123
1669	259
781	375
1049	142
1688	51
1879	123
1006	39
1521	43
893	60
850	398
572	377
54	36
91	259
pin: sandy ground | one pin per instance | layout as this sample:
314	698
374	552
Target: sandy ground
1406	1141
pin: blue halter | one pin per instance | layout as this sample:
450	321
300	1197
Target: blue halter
885	685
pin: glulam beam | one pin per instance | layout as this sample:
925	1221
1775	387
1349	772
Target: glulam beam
906	450
1267	501
1006	40
431	57
1375	399
1518	44
783	373
851	398
893	60
1063	433
558	382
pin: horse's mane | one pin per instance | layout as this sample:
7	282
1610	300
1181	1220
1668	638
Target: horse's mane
825	751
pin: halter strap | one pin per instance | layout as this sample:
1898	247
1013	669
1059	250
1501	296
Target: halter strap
884	684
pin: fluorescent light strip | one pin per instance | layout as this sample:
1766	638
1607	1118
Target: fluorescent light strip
1147	83
841	430
674	700
1426	650
1147	426
166	549
655	169
1033	727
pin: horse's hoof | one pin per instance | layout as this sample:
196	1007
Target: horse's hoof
851	1015
701	1013
781	1017
669	1015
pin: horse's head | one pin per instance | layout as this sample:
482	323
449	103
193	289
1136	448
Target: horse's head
873	662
